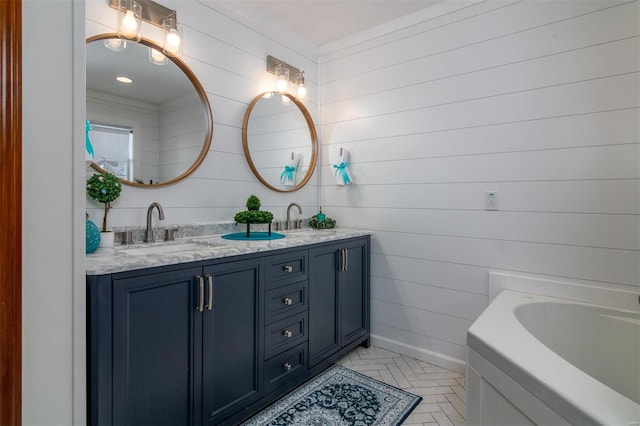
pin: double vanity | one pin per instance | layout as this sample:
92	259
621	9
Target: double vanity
208	331
205	330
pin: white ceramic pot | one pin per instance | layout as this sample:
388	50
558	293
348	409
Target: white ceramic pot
106	239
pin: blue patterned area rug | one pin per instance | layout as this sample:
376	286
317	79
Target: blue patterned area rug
339	397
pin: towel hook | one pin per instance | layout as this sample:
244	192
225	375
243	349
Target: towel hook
292	155
340	151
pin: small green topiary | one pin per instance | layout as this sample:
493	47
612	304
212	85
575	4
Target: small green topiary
253	203
253	214
104	188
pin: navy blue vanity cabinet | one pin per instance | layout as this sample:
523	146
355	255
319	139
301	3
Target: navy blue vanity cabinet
232	355
155	348
213	342
338	297
175	345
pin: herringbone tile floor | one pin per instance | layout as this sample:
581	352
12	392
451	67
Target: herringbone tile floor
442	391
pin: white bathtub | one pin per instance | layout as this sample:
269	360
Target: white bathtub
536	359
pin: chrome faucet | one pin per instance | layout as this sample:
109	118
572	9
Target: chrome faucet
288	223
148	236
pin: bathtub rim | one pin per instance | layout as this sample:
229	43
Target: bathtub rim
490	335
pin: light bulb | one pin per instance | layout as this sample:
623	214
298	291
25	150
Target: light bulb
129	22
115	44
156	57
282	76
281	85
302	92
173	40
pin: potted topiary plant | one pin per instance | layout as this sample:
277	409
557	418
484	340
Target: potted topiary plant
104	188
253	214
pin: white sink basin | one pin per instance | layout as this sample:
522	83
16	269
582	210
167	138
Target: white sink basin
161	249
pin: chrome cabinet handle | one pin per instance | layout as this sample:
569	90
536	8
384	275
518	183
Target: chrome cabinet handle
287	301
346	259
210	302
200	306
286	366
342	261
288	268
287	333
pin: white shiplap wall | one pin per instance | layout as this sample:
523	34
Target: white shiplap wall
226	48
537	100
181	135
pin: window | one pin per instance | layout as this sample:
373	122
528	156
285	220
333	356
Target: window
113	147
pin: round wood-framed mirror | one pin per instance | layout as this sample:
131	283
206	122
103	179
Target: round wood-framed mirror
154	131
280	141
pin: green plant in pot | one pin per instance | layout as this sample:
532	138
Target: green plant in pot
104	188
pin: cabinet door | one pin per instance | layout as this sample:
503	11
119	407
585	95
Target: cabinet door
231	339
153	348
354	292
338	297
324	334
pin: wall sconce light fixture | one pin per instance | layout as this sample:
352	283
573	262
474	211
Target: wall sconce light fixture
286	73
132	12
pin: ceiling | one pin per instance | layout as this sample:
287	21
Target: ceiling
152	84
325	21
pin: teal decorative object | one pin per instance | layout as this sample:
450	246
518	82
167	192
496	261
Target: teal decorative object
288	173
254	236
325	223
93	237
88	145
342	173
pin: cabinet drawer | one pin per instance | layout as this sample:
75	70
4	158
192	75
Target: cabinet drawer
285	367
285	301
286	268
285	334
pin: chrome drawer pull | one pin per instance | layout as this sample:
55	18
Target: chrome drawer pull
288	268
286	367
287	301
287	333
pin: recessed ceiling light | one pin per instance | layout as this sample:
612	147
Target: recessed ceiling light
123	79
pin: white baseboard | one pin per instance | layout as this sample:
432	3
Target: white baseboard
422	354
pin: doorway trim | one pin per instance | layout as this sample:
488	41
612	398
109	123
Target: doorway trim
11	214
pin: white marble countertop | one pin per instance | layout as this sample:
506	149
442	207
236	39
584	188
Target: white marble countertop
108	261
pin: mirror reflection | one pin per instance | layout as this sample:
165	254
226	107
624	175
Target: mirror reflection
279	141
150	120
